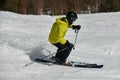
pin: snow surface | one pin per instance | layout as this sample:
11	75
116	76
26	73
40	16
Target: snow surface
25	37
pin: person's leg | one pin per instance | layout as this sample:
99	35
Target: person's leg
62	52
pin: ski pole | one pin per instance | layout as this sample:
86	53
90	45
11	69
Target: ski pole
45	57
76	31
54	53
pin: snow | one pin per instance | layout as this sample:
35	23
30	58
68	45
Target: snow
25	37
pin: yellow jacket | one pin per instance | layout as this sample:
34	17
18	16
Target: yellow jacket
59	30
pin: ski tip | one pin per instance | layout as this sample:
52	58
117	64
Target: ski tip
100	66
89	66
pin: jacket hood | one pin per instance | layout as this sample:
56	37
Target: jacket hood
63	20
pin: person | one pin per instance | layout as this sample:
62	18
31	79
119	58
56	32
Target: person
57	34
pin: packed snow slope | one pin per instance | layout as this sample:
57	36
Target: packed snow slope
25	37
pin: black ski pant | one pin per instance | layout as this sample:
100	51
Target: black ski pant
63	52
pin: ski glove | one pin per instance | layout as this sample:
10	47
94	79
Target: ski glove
70	45
76	27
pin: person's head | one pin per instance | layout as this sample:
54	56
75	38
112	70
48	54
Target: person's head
71	17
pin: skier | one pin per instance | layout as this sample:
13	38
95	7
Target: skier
57	33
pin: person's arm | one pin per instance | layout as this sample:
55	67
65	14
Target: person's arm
61	34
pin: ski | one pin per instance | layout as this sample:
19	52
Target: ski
72	64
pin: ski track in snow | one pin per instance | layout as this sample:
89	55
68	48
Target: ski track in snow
24	37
